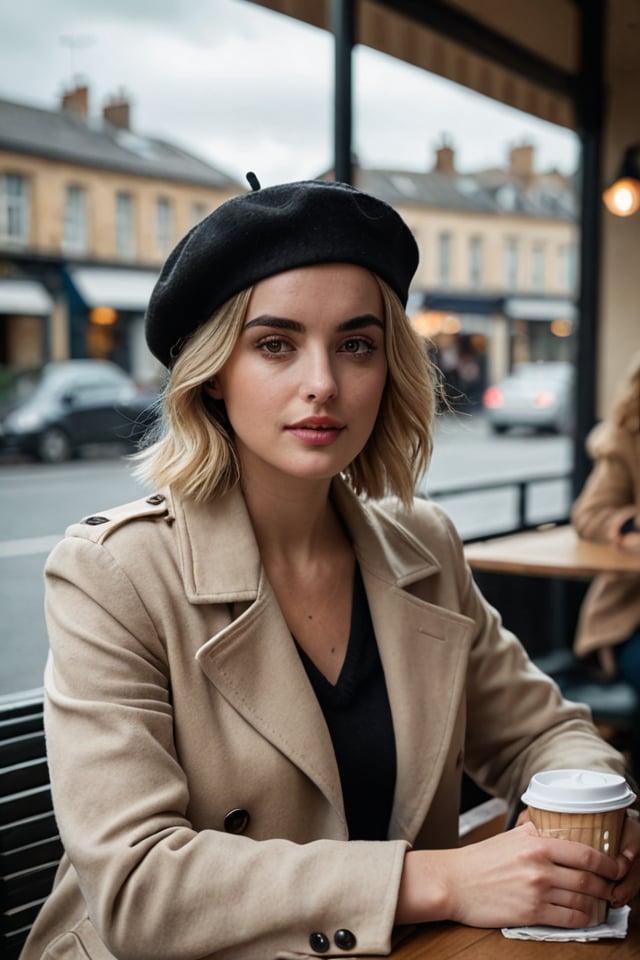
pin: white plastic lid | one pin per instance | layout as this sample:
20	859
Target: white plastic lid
578	791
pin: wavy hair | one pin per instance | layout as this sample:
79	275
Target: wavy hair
192	447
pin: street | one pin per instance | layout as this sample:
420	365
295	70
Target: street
39	502
467	454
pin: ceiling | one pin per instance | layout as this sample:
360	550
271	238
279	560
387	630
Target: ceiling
544	35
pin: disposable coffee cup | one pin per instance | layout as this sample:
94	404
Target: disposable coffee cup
583	805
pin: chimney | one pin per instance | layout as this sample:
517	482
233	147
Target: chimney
521	161
76	101
117	112
445	159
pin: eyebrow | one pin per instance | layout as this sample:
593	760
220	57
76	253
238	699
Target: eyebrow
283	323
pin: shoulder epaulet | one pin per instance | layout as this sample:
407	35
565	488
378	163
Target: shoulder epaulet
97	527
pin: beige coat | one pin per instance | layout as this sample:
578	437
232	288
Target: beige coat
175	695
611	608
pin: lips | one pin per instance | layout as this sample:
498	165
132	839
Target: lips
316	431
316	423
308	426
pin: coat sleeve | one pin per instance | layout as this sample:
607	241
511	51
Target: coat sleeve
518	723
607	498
154	887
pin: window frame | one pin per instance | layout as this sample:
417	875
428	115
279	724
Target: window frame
125	234
476	252
445	258
75	223
164	225
14	209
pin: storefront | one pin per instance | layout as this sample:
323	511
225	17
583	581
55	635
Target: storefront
26	309
466	339
540	329
476	340
106	317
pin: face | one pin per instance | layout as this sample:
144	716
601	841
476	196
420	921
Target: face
303	385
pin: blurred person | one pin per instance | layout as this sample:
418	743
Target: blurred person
608	511
266	680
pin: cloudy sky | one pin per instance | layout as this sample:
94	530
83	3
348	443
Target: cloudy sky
246	88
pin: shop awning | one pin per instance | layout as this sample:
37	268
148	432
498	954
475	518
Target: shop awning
24	297
540	308
112	287
484	304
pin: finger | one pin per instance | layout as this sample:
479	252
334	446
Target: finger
630	842
629	855
571	917
581	883
580	857
620	899
529	827
625	890
572	900
624	862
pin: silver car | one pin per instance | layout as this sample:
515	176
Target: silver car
536	395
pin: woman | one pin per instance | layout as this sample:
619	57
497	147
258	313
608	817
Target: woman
267	658
608	511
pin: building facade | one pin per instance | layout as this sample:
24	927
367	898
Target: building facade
497	278
89	209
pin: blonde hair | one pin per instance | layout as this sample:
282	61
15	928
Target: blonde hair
192	445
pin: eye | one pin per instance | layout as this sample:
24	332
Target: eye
274	345
358	346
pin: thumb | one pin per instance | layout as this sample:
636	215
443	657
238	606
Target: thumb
624	861
529	828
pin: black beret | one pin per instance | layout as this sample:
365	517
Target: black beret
268	231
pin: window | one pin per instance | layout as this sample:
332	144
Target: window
74	236
537	267
507	196
568	267
475	262
511	264
125	238
444	259
164	225
14	209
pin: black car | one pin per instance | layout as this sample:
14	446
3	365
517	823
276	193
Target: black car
55	411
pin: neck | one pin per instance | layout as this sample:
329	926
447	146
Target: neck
294	522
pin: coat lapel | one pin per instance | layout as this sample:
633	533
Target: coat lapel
253	661
419	644
254	664
256	667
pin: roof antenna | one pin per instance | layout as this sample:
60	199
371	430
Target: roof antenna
254	183
74	41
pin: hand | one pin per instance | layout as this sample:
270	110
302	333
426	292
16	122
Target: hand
628	880
515	878
611	532
629	541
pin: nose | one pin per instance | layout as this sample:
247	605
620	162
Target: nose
320	383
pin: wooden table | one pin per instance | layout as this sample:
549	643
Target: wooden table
550	552
446	941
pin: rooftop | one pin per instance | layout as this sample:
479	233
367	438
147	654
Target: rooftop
497	194
67	135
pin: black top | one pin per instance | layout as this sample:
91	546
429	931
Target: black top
358	716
